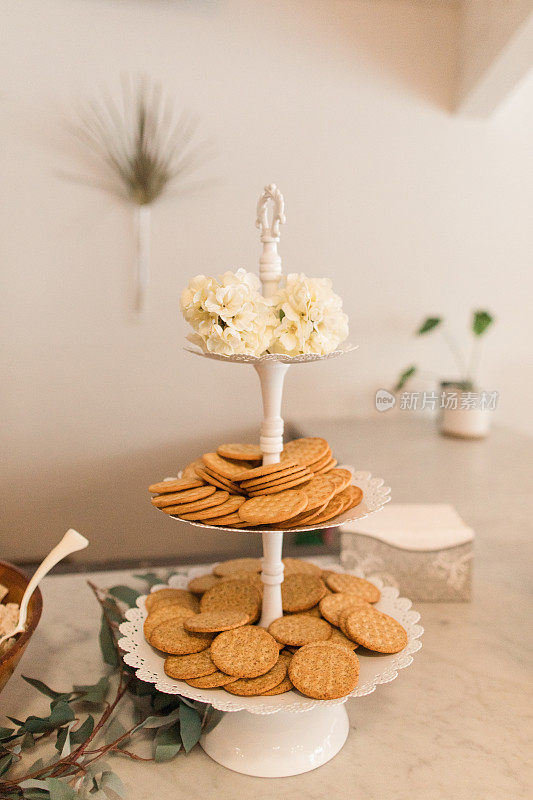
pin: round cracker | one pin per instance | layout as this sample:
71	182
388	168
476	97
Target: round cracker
282	486
231	505
352	496
213	681
285	686
323	468
251	687
171	637
324	670
341	478
300	591
188	496
171	595
305	451
194	665
333	509
320	462
216	621
375	630
190	470
237	565
240	452
223	466
274	508
245	652
266	469
319	490
333	605
161	613
174	485
219	482
351	584
228	520
213	500
299	629
202	583
233	594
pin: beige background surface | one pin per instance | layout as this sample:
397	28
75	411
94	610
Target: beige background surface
410	208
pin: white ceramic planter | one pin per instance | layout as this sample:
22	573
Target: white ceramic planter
465	423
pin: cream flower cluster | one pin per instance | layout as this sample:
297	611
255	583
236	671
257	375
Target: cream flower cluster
228	314
311	319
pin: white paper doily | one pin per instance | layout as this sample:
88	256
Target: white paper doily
375	495
244	359
374	668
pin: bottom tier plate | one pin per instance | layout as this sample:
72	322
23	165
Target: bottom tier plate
375	668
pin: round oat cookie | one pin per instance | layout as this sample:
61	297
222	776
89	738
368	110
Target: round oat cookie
309	612
266	469
231	505
301	591
190	470
233	594
218	482
223	466
251	687
170	595
324	670
216	621
305	451
161	613
351	584
240	452
213	500
269	509
274	477
237	565
332	605
202	583
245	652
214	681
375	630
281	487
171	637
281	688
319	490
299	629
174	485
195	665
248	577
295	566
188	496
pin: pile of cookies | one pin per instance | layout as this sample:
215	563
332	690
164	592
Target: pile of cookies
210	636
230	488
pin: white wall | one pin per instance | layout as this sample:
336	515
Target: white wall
410	209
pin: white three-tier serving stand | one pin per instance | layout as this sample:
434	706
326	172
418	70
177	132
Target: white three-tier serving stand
270	736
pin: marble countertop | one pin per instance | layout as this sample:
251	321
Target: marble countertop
452	725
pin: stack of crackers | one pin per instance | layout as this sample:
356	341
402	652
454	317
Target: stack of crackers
230	488
210	638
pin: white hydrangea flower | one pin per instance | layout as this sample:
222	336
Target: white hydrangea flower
311	319
228	314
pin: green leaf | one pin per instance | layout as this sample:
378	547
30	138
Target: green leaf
404	377
32	783
6	733
429	324
213	717
94	693
164	701
481	320
114	730
35	794
107	644
59	790
150	578
16	721
125	594
307	538
5	763
281	314
61	714
167	743
158	722
43	688
190	726
28	742
82	733
111	785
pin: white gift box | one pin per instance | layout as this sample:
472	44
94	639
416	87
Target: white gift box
424	550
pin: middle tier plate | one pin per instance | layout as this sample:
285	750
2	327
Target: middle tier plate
375	495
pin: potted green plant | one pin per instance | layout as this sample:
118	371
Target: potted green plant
465	410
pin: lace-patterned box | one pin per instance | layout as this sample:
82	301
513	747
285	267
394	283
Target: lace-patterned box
424	550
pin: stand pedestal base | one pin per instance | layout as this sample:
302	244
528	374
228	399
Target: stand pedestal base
277	745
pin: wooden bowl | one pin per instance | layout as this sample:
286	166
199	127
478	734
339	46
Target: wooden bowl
16	581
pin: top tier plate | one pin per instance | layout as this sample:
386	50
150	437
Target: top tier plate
307	358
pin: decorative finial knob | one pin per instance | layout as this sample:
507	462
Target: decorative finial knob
270	261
